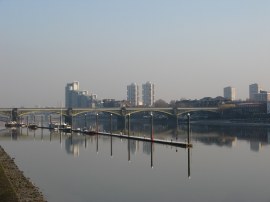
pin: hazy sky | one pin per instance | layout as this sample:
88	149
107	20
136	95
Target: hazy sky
188	48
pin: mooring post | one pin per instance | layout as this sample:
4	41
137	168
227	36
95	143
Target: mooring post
111	123
128	125
128	150
152	164
188	115
111	145
125	124
188	163
97	123
85	142
42	121
111	131
152	126
85	121
60	120
71	123
177	127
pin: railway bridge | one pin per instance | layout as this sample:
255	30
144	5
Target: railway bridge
121	112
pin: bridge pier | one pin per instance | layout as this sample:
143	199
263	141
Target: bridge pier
68	118
120	122
14	115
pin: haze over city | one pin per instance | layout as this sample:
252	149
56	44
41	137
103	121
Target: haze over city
189	49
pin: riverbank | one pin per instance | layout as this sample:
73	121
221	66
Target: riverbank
14	185
229	123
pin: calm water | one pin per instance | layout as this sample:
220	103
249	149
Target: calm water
226	164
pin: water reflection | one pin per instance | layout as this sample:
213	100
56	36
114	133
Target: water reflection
229	136
156	172
73	142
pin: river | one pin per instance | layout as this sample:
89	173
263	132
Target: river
225	164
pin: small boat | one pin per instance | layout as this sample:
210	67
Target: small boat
32	126
90	132
11	124
54	126
21	125
67	129
77	130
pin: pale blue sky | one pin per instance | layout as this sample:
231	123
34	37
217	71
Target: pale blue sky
189	49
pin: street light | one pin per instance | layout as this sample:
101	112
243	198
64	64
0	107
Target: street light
128	125
85	121
111	122
97	123
188	116
152	127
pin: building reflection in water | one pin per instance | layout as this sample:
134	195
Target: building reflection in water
229	136
73	144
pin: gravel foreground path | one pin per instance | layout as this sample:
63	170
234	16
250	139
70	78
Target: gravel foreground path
22	186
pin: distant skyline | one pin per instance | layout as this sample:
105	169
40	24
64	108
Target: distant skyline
189	49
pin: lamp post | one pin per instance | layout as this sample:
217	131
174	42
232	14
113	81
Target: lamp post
85	121
152	126
97	123
188	116
128	125
111	123
111	132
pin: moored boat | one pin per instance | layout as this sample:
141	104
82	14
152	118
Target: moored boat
32	126
11	124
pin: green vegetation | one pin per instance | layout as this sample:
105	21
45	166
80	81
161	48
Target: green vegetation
6	191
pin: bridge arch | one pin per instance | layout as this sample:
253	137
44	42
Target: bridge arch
151	110
196	111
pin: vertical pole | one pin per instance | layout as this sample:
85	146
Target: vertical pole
188	115
128	125
85	121
111	123
71	123
27	121
85	141
125	125
42	134
152	164
129	150
97	143
60	120
50	119
152	127
34	119
189	163
41	121
177	127
97	123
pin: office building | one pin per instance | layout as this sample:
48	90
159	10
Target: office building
253	90
148	94
230	93
268	109
74	98
133	94
262	96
